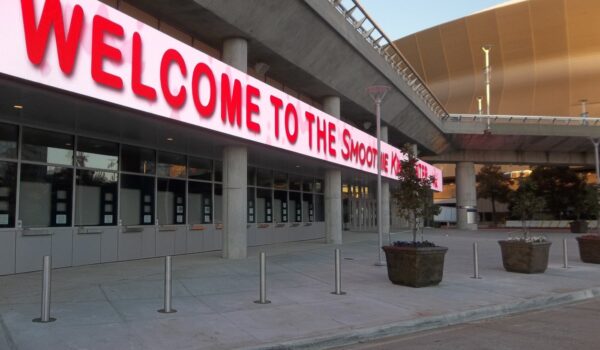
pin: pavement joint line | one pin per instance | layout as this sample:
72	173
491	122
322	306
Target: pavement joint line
9	340
355	336
115	309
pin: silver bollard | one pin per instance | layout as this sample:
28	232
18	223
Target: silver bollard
338	274
167	309
46	286
263	281
565	256
475	262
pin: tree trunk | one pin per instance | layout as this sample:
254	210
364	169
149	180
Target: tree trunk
495	222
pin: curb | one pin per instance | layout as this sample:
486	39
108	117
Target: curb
428	323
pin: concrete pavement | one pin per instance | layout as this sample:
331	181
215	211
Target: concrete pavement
574	326
114	305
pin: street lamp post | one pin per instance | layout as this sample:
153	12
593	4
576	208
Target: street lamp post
377	93
596	143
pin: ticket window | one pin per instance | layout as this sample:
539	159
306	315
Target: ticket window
8	191
137	200
171	202
45	196
251	205
96	198
280	206
308	209
264	205
200	209
295	207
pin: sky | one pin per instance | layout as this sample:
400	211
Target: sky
399	18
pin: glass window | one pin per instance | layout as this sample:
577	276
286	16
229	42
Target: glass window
218	205
97	154
218	171
171	164
264	178
137	200
251	176
319	208
264	205
319	186
47	147
171	202
280	207
8	193
280	181
251	206
9	135
295	204
137	160
295	183
95	198
200	202
45	195
308	185
200	169
308	210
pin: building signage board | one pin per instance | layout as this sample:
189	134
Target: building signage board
89	48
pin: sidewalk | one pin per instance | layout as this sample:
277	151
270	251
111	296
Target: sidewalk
113	306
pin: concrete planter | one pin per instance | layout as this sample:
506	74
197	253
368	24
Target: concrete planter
589	248
415	267
525	257
579	226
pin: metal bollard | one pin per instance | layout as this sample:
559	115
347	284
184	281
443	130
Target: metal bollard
263	281
475	262
167	309
46	286
565	256
338	274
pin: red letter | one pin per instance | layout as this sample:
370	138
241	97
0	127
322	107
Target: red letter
252	108
321	135
347	139
172	56
331	139
207	110
311	119
137	86
277	103
231	102
290	111
101	50
36	38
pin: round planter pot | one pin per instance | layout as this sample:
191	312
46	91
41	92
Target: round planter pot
525	257
589	249
415	267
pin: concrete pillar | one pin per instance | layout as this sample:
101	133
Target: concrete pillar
385	193
235	171
333	186
466	196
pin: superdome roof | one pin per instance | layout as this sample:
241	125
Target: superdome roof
545	58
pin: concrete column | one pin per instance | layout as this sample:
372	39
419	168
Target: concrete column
235	171
385	193
466	196
333	186
235	199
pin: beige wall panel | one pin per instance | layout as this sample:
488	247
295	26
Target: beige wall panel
583	19
483	29
516	43
408	47
460	67
434	62
551	90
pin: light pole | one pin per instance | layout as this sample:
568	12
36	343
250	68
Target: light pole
596	143
377	93
487	76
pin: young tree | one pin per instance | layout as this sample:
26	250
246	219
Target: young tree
559	186
493	185
414	194
525	202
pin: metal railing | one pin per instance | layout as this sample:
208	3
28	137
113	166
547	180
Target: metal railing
356	15
524	119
